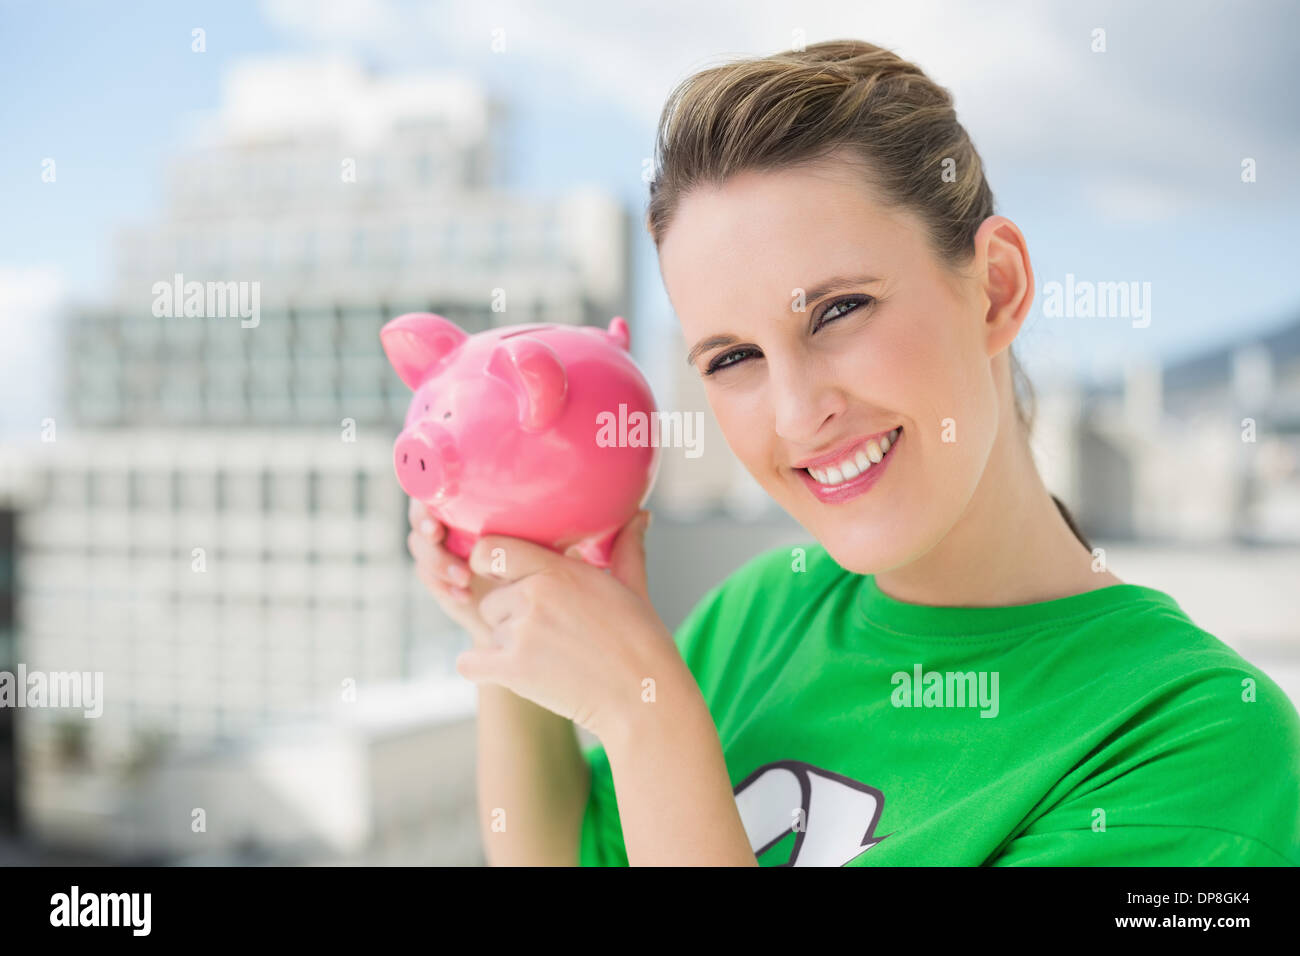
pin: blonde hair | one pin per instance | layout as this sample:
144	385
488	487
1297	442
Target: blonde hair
798	106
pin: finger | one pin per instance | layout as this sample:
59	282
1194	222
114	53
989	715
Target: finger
510	559
482	666
442	588
438	559
627	558
422	520
500	605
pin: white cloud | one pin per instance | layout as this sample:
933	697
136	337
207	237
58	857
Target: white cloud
1133	199
1026	82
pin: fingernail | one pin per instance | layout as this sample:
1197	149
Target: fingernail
458	575
426	526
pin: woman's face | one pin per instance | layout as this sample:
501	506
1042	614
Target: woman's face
820	321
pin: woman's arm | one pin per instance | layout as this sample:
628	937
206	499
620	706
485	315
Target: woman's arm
532	782
532	779
675	800
588	646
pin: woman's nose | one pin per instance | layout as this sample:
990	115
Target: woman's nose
803	401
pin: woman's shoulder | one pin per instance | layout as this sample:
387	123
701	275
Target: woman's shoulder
1153	630
769	580
1184	726
1167	685
759	591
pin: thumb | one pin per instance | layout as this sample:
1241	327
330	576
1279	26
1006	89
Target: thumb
627	559
479	665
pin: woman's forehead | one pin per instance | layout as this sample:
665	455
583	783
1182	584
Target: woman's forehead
741	247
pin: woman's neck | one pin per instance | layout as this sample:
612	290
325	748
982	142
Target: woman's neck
1010	546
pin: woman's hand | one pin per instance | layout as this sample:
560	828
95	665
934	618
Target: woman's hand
570	637
585	644
457	591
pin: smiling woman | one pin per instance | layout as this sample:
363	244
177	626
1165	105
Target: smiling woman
837	262
946	675
829	243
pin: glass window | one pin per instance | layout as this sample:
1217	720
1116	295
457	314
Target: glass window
68	487
198	491
151	490
289	491
110	489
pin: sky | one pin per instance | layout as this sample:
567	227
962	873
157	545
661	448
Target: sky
1119	165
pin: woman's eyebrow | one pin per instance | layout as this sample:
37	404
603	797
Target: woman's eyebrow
835	284
822	289
712	342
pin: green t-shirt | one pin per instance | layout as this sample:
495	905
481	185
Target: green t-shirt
1101	729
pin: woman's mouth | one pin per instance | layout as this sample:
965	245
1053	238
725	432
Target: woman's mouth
853	472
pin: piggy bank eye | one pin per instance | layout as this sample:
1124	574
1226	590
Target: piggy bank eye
446	414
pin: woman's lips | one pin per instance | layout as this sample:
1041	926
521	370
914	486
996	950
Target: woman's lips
846	450
851	488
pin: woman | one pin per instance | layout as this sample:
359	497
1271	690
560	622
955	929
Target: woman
950	676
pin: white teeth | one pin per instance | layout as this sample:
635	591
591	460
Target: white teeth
850	468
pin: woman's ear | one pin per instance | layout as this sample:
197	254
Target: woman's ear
1007	278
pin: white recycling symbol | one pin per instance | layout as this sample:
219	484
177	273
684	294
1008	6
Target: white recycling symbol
838	818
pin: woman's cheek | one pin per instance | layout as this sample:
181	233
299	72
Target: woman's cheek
747	443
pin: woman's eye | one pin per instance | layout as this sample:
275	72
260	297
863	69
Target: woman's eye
846	305
734	357
829	314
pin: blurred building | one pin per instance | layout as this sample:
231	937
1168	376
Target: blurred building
1203	449
218	529
350	200
8	634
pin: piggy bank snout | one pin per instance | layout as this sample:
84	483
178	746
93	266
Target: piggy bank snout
427	461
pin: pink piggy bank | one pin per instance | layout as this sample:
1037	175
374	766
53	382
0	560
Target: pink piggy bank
521	431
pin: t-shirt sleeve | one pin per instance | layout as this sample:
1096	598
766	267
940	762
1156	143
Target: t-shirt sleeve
601	842
1208	776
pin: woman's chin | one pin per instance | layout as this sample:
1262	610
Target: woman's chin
857	534
852	556
860	553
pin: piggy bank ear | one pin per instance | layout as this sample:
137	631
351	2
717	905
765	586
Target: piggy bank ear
418	341
618	333
536	376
